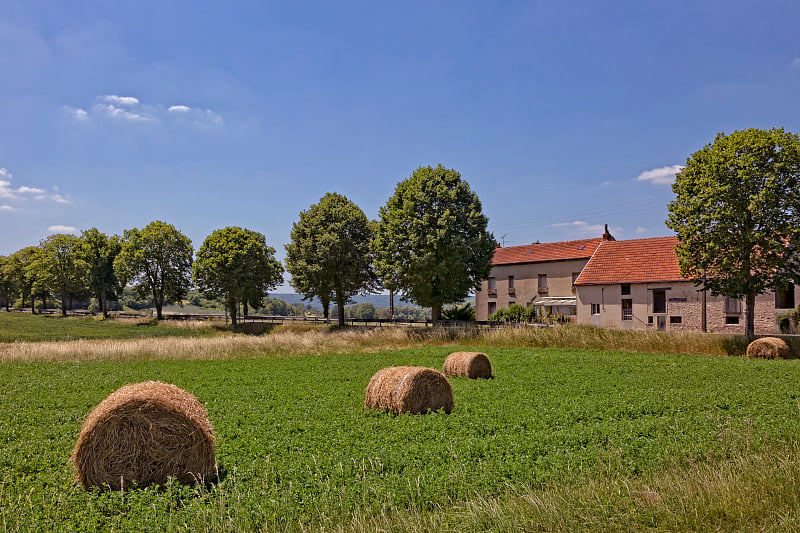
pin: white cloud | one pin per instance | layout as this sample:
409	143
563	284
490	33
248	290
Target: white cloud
130	109
24	192
77	113
660	176
120	100
640	230
58	228
796	62
115	112
29	190
6	208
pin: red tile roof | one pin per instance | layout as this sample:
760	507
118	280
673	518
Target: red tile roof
633	261
549	251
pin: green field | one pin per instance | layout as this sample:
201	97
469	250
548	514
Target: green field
35	328
297	450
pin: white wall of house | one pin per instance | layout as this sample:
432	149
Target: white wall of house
602	306
559	276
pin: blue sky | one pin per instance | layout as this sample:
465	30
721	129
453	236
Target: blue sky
562	116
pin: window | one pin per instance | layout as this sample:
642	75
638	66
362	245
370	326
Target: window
492	308
659	301
784	299
650	319
626	289
510	282
676	320
492	286
542	282
733	306
627	309
595	309
731	320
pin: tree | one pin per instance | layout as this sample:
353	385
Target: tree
432	243
21	272
329	255
158	260
236	265
60	268
736	213
8	288
99	251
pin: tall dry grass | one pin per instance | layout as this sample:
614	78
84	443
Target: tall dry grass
293	341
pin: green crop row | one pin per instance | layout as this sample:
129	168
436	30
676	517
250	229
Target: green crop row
297	448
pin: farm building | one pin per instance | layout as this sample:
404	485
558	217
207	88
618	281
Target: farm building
538	274
630	284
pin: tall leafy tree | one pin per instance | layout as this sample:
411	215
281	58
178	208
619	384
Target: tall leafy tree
329	253
237	266
99	251
21	273
8	287
737	215
158	260
432	243
60	268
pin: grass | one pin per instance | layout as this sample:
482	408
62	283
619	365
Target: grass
23	327
561	439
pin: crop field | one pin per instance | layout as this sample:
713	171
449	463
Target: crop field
35	328
297	450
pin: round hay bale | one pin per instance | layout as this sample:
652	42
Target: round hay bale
768	348
409	389
467	365
142	434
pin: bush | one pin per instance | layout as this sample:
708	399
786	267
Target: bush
464	312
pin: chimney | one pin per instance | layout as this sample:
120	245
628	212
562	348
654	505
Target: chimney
607	236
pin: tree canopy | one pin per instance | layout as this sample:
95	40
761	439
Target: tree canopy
99	251
158	260
237	266
737	215
432	243
329	253
60	268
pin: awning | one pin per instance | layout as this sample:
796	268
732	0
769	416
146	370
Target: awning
553	301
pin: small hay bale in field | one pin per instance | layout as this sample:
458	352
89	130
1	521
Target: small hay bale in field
467	365
142	434
409	389
768	348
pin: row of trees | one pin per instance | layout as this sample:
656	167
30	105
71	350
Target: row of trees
431	243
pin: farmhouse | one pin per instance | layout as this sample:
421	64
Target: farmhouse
630	284
637	284
538	274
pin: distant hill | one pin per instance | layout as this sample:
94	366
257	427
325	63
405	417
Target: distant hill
378	300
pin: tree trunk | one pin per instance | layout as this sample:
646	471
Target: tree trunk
391	304
436	312
104	303
340	307
749	316
64	303
244	310
159	306
233	308
326	305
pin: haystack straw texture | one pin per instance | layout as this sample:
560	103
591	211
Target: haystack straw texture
467	365
144	433
409	389
768	348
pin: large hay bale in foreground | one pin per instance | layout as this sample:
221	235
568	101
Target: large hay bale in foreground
144	433
768	348
409	389
467	365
